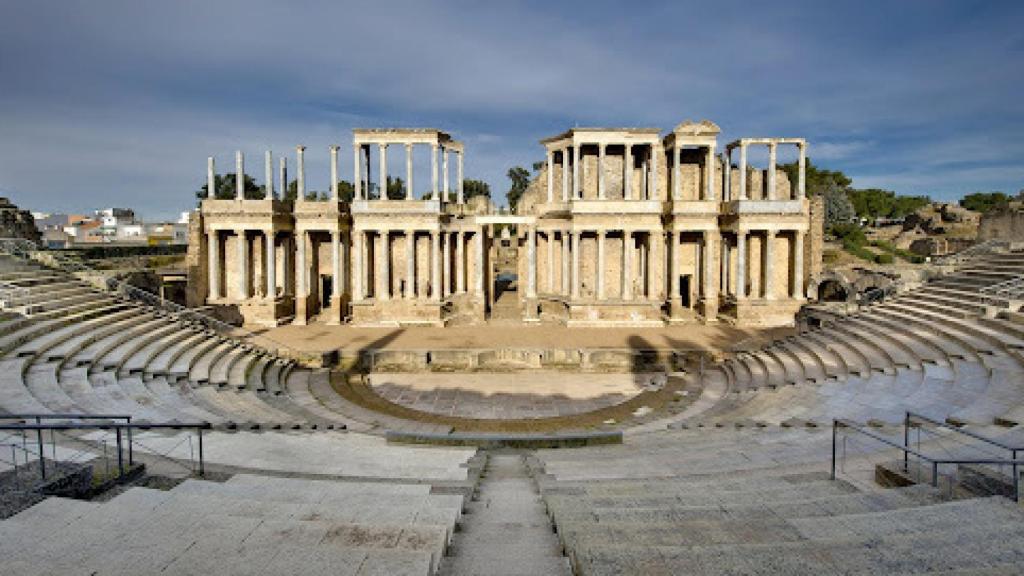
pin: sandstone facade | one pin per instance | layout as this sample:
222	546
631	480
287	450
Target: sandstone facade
622	227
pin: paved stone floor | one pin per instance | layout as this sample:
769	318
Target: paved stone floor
510	395
320	337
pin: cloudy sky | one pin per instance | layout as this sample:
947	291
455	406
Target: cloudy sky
120	102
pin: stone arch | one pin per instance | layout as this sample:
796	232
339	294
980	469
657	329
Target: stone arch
831	287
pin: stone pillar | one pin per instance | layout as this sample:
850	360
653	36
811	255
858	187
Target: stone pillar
458	175
727	175
627	173
268	173
384	261
271	269
301	286
444	174
213	250
551	176
433	171
743	172
771	171
652	193
677	185
446	284
654	265
357	172
600	264
549	237
724	271
300	161
531	262
358	274
239	176
708	263
709	174
769	264
336	263
798	265
576	237
369	167
410	264
627	265
460	262
480	272
243	265
345	261
600	171
382	187
282	175
801	178
577	190
566	290
673	265
211	178
334	178
408	172
435	266
741	264
565	174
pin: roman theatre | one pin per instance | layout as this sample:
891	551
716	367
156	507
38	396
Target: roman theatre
628	372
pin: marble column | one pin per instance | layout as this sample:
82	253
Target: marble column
408	172
801	178
566	290
243	265
577	189
435	266
239	176
211	178
345	261
444	174
358	274
565	174
480	272
446	284
549	239
769	264
576	237
653	193
460	262
600	171
336	264
357	172
771	171
600	264
741	264
334	178
798	265
551	176
433	171
708	264
724	272
382	186
743	172
282	175
300	167
302	271
213	251
460	191
531	262
271	268
654	265
384	260
727	175
677	185
673	265
627	173
627	265
268	173
410	264
709	173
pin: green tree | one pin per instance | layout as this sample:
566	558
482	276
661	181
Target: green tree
818	179
474	188
520	178
838	208
225	188
985	201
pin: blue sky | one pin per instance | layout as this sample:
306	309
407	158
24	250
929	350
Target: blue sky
120	102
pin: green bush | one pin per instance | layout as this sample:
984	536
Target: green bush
858	250
851	233
884	258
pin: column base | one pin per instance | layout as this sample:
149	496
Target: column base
302	306
709	309
336	311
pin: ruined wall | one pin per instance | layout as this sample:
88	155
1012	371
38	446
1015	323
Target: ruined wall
197	262
1002	225
16	223
814	242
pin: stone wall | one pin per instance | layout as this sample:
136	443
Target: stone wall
17	223
197	262
1002	225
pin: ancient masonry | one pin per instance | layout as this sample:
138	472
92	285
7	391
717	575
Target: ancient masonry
17	223
622	227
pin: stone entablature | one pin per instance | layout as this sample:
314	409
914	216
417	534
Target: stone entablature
622	227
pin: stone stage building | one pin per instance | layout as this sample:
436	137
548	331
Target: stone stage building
622	227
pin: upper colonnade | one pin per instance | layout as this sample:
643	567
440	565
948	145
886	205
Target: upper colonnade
772	144
567	150
363	139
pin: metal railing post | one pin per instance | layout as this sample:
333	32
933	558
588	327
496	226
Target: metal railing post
42	455
906	442
131	454
835	424
935	473
1016	478
120	454
202	469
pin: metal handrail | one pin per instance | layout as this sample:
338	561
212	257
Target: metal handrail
935	462
947	426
